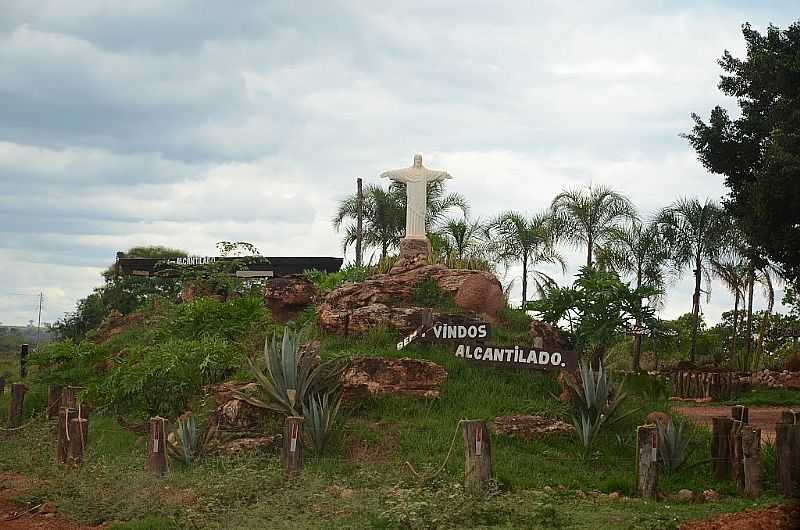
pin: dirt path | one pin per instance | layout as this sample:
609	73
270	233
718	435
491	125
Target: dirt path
15	516
763	417
784	517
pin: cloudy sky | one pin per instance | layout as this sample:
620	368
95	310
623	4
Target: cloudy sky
184	123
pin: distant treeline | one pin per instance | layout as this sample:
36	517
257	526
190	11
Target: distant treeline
12	337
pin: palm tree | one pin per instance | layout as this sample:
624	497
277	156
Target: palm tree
637	250
588	215
529	241
464	239
697	236
384	219
733	274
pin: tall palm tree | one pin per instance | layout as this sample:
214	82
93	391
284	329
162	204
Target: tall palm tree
637	250
528	241
588	215
697	234
732	272
464	238
384	219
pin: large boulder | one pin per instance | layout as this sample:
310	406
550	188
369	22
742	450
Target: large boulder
371	376
288	295
387	299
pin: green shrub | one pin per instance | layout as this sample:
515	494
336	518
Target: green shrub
67	363
161	379
207	317
427	293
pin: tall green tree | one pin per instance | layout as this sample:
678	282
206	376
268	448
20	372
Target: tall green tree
639	251
587	216
758	153
697	234
733	273
529	241
384	219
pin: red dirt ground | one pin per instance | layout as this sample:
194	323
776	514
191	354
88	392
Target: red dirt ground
14	516
763	417
784	517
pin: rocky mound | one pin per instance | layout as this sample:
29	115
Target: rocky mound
370	376
386	300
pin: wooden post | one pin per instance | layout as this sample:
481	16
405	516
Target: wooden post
751	460
69	397
720	447
360	223
23	361
53	400
647	461
787	454
65	416
735	451
2	386
740	413
77	443
157	445
477	456
292	453
790	417
15	409
83	413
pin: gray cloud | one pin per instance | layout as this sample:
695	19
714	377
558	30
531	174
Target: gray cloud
183	123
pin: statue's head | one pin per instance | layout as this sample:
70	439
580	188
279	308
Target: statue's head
418	160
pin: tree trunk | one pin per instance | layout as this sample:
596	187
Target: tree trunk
698	273
589	245
637	339
524	280
750	283
735	324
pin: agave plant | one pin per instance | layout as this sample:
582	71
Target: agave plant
320	414
186	443
291	376
596	404
673	445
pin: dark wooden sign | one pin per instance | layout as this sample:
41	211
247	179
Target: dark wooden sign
531	358
255	266
447	328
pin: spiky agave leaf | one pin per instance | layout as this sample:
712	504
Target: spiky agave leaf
321	412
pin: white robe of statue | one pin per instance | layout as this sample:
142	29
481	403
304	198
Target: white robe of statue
416	179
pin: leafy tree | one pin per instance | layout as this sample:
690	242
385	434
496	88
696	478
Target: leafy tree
589	215
733	273
384	219
599	307
697	236
639	251
530	242
463	244
758	153
439	203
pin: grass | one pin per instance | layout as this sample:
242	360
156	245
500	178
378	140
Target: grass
365	480
768	397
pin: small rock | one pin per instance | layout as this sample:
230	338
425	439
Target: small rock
346	493
47	507
580	494
594	494
711	496
548	489
685	496
614	496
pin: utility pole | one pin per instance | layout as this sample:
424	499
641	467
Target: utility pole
39	325
360	225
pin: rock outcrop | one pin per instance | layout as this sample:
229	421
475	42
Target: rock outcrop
547	337
371	376
387	299
527	426
288	295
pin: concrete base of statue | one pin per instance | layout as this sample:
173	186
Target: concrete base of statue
415	248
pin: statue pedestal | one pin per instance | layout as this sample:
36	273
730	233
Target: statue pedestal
415	248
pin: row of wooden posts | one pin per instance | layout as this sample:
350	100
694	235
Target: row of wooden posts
735	445
718	386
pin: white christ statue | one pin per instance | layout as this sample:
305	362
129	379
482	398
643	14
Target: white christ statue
416	179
